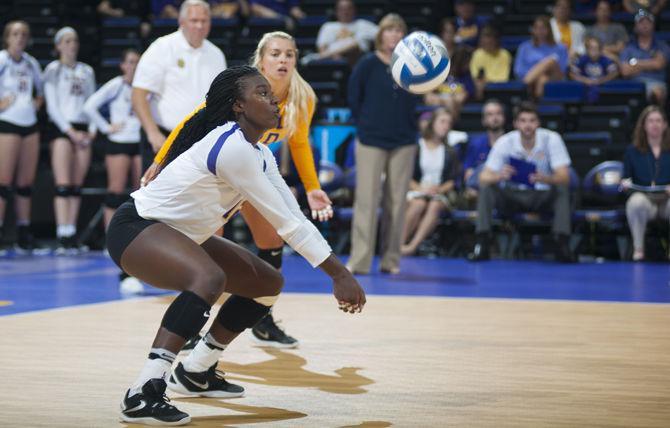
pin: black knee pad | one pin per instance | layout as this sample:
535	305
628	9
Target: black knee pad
274	256
239	313
25	191
6	192
115	200
187	315
75	191
63	191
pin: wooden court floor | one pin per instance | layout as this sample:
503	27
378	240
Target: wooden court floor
404	362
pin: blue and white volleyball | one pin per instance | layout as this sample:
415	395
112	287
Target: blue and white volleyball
420	62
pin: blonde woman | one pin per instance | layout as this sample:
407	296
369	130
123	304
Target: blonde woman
276	57
20	77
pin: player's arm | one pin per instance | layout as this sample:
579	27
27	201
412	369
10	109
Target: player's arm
238	165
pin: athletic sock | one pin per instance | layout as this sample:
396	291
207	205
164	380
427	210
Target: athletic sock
158	366
205	354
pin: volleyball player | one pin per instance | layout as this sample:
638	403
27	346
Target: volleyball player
165	236
20	98
67	85
122	148
276	57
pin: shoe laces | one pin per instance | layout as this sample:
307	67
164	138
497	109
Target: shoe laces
163	402
218	374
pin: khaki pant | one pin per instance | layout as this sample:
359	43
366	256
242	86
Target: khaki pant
371	164
642	207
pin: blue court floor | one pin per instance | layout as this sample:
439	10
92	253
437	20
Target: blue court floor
31	283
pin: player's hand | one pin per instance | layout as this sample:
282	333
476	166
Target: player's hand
115	127
320	204
507	172
625	184
349	294
149	174
7	101
156	139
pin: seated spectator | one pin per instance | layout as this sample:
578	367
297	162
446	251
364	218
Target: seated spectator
653	6
167	9
527	169
612	35
288	10
493	121
540	59
593	68
468	24
459	85
432	187
569	33
647	163
347	38
227	9
120	9
490	62
645	58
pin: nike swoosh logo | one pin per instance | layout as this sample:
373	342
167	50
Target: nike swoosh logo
140	406
206	314
263	334
275	253
199	385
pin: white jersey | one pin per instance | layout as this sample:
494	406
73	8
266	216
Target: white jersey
115	94
204	186
18	79
66	89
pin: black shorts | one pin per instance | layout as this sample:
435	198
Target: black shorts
128	149
52	131
23	131
124	228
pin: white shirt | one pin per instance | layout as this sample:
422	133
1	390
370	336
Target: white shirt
204	186
116	94
178	74
548	153
431	161
364	33
66	90
577	31
18	79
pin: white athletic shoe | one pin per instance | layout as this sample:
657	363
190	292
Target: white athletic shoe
131	285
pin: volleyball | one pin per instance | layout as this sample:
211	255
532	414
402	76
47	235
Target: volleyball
420	62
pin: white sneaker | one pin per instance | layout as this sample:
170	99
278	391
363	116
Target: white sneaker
131	285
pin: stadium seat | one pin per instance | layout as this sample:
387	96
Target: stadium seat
309	26
162	27
552	116
616	119
602	213
256	27
623	92
470	119
587	149
518	24
536	7
510	93
564	91
224	29
118	28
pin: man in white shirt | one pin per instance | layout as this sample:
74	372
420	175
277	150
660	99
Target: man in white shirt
346	38
527	169
176	70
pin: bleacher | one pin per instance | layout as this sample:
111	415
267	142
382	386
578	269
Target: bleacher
594	130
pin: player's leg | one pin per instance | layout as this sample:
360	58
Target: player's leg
25	177
270	246
9	153
254	286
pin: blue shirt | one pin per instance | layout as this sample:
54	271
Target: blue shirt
478	150
633	50
382	111
468	31
585	66
644	169
528	55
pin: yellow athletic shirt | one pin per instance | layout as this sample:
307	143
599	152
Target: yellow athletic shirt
301	151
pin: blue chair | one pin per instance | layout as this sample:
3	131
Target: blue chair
511	93
565	91
605	213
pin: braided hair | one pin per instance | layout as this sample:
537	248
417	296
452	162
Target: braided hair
226	88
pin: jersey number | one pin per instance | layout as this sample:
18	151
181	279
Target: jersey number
271	138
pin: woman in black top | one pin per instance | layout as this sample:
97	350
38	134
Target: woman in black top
385	118
647	163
